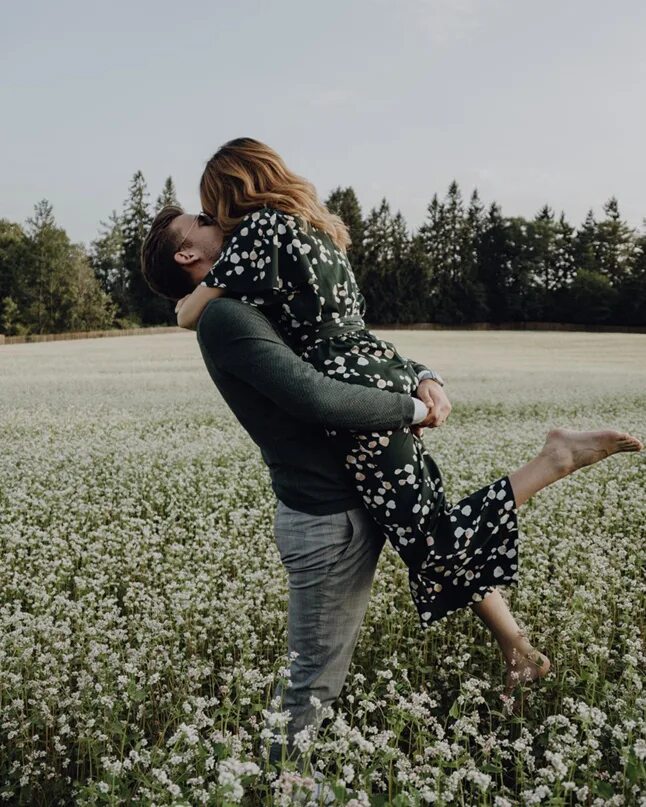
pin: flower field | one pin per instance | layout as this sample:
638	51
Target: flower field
143	603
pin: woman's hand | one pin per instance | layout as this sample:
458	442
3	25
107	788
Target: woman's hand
189	308
181	302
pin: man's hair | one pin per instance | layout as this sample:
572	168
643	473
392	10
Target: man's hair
162	272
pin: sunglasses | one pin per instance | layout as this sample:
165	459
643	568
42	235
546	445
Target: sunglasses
203	220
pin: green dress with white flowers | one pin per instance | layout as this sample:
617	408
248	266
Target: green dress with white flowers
455	553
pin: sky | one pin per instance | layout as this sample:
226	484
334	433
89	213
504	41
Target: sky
530	103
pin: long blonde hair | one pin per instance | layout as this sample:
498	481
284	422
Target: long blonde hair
244	175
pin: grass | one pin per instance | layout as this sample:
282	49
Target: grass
143	603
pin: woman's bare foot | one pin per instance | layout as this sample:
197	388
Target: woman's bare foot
525	664
570	450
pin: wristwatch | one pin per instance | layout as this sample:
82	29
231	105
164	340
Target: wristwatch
423	374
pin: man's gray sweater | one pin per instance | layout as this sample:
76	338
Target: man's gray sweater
283	403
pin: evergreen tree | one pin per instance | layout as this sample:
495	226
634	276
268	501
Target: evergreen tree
549	251
394	277
630	305
476	218
586	246
49	248
136	220
565	258
560	300
400	275
15	260
432	237
474	298
168	196
541	247
616	244
505	271
451	239
414	306
142	304
107	257
345	204
378	252
593	298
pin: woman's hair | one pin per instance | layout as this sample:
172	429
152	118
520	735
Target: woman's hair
244	175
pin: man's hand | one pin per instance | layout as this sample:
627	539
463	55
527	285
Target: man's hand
439	406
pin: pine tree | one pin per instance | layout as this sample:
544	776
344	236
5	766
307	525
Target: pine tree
397	282
593	298
142	305
168	196
586	246
432	236
49	246
451	238
616	244
559	301
474	299
107	257
136	220
378	250
14	259
504	269
345	204
476	216
630	306
414	306
541	246
565	259
607	253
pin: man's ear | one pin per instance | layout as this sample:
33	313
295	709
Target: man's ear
186	258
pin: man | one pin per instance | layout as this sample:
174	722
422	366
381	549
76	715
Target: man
326	540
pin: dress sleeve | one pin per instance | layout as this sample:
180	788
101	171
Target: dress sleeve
249	266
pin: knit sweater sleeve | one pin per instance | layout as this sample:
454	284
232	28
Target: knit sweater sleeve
240	340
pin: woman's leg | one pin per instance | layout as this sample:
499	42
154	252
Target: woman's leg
524	662
564	452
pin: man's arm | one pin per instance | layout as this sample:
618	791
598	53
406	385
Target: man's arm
240	340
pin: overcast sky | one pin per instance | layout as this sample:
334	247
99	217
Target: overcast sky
531	103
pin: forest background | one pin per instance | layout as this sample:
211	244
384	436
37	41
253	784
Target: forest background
466	263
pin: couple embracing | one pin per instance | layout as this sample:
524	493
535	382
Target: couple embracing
262	274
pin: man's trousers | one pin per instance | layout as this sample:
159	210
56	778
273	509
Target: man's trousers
330	562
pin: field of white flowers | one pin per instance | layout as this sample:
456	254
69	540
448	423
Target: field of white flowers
143	603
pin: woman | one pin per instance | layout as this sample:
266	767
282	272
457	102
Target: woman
286	253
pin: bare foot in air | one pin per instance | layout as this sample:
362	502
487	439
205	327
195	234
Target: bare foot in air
570	450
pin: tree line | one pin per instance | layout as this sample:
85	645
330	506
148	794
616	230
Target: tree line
465	263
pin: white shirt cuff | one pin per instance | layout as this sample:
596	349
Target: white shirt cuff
421	411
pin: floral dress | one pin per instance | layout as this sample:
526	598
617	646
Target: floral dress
455	553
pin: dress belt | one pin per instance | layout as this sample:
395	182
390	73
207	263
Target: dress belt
336	326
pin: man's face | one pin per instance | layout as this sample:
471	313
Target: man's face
198	252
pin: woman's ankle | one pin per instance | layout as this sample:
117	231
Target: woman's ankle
516	647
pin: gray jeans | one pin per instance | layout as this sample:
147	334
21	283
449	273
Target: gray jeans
330	562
